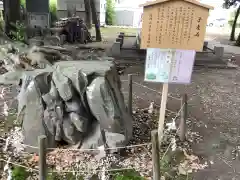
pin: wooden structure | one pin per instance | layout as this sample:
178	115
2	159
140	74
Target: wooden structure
38	14
72	29
174	24
175	29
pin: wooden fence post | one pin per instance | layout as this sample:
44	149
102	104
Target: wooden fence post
1	156
130	93
42	143
183	118
155	155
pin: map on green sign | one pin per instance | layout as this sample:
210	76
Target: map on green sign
169	66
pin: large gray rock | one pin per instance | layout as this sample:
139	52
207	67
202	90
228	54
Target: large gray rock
78	102
31	113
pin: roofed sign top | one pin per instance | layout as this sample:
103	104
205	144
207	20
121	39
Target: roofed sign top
174	24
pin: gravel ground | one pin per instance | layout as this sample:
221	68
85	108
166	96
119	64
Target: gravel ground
213	114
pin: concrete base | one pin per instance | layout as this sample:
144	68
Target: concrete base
122	39
119	40
116	49
62	39
205	45
122	33
219	51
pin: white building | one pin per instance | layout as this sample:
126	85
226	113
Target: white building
128	12
128	16
80	8
218	12
1	5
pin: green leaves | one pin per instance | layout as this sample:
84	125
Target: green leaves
229	3
18	34
127	175
110	13
19	173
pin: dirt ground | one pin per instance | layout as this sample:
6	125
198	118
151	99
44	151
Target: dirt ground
213	111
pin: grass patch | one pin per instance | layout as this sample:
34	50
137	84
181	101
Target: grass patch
128	175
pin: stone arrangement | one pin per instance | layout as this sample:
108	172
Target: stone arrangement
76	102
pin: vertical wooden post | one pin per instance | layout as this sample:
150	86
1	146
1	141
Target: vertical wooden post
11	14
183	118
88	13
162	113
155	155
96	21
71	9
42	143
130	93
1	156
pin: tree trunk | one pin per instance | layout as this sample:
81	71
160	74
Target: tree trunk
11	14
96	21
71	10
232	37
238	40
88	14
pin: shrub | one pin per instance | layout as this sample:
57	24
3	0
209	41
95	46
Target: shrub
19	173
18	34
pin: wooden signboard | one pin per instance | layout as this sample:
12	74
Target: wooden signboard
174	24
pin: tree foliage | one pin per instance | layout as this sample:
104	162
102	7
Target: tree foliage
110	13
229	3
23	3
233	3
53	10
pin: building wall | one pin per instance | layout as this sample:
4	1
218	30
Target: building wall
1	5
63	13
80	8
124	17
62	4
137	19
102	15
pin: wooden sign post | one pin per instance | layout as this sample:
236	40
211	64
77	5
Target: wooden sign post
172	32
168	66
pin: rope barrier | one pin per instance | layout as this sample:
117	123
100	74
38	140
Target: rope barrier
82	150
171	112
103	170
176	130
36	170
154	90
120	147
